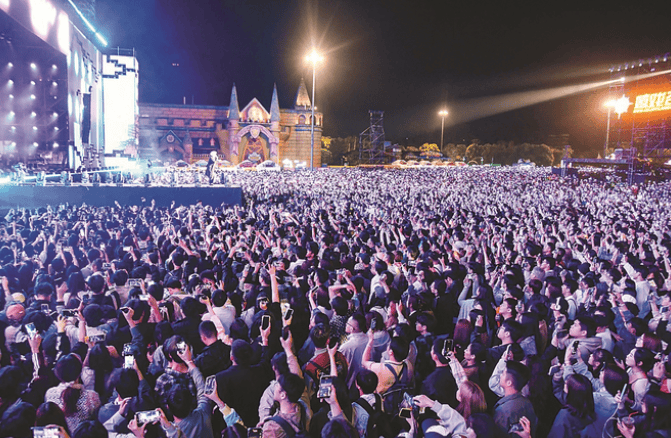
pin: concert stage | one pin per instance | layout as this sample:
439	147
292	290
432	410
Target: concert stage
32	196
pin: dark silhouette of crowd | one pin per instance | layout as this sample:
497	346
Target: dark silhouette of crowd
470	302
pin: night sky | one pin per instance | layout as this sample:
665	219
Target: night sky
407	58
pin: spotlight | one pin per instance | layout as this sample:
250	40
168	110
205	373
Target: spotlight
12	114
35	144
10	82
10	65
11	96
34	128
33	114
55	114
55	128
54	66
32	82
32	96
33	65
55	145
13	128
54	83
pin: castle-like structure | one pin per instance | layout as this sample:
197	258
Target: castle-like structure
191	132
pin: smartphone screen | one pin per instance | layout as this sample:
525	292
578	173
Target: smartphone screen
31	330
128	361
405	413
265	321
325	387
289	314
209	384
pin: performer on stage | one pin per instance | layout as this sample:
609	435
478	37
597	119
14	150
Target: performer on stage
209	171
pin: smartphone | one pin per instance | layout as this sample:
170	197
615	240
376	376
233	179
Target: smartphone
181	346
135	282
325	387
405	413
45	308
289	313
145	417
68	313
46	432
265	321
286	331
574	347
333	341
125	309
107	266
127	350
373	324
210	382
554	369
254	432
143	297
127	248
31	330
625	388
97	338
128	361
664	309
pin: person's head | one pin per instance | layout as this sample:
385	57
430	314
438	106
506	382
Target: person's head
600	358
90	429
49	413
290	387
339	428
399	348
170	348
17	420
481	426
426	323
366	381
127	383
471	399
356	324
583	327
656	406
181	401
10	379
640	358
208	332
241	353
279	364
579	395
68	368
510	331
319	334
514	377
613	378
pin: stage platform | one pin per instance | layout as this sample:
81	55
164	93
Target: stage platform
32	196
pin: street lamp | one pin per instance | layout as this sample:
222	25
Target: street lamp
314	58
442	113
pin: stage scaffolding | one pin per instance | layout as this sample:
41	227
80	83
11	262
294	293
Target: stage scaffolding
371	141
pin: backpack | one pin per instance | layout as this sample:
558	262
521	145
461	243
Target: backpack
394	395
288	428
379	423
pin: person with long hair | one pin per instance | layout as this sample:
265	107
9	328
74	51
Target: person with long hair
654	419
78	404
578	412
640	361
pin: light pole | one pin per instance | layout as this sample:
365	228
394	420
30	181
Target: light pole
442	113
314	58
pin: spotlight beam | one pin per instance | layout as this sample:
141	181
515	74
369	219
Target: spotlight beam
479	108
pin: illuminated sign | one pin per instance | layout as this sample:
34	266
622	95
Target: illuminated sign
646	103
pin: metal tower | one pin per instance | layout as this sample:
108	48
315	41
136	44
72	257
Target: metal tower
371	141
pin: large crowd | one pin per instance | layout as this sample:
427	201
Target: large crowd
470	302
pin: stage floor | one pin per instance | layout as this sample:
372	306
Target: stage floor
30	196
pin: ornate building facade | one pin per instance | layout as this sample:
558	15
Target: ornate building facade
191	132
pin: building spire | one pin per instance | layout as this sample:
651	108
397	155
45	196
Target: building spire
233	109
302	97
275	106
